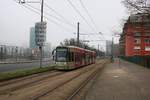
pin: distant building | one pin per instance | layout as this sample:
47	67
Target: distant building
135	39
33	47
108	48
32	38
47	49
116	51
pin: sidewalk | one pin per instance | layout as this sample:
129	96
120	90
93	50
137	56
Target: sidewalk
121	81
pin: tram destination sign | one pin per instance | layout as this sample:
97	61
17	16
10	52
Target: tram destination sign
40	33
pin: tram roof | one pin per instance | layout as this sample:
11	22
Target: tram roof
75	47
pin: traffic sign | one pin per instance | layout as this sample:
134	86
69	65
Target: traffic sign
40	33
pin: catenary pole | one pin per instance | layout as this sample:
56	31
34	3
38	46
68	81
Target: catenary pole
112	47
78	34
42	4
40	47
98	51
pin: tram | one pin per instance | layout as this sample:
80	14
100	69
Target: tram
72	57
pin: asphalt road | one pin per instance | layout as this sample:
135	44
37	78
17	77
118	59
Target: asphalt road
18	66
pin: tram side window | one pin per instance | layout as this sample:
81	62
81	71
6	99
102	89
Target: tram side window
71	56
76	57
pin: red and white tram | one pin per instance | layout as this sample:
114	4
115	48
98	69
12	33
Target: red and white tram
71	57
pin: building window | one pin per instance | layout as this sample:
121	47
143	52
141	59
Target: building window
147	34
137	47
137	34
147	40
137	40
147	48
135	18
147	24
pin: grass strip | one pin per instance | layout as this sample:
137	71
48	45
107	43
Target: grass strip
24	72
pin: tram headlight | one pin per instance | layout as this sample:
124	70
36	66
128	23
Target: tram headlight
65	63
61	63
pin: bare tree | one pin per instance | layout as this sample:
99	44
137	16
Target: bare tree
73	42
137	6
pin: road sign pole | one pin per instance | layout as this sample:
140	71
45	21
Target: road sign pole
39	34
40	31
40	47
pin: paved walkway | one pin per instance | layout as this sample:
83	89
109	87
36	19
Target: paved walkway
121	81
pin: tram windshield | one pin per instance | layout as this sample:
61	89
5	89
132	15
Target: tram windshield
61	54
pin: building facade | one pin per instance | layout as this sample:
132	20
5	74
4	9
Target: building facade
116	51
32	38
135	39
108	48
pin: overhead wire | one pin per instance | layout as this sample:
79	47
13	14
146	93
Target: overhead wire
94	29
46	13
89	15
86	10
64	19
33	9
95	26
54	22
80	15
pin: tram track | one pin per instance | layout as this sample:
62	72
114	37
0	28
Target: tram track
27	81
6	93
83	84
51	90
48	92
50	86
11	81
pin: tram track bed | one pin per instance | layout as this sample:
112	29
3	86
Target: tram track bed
4	76
26	81
49	87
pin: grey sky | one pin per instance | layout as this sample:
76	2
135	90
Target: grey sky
16	20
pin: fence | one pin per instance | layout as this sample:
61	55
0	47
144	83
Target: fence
20	53
141	60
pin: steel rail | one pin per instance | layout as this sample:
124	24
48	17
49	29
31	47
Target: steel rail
84	83
11	81
29	83
51	90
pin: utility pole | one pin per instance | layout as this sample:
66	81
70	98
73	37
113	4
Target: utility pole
40	29
1	53
40	47
78	34
98	50
42	10
112	59
16	53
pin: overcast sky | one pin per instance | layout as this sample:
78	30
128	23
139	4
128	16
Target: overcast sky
16	20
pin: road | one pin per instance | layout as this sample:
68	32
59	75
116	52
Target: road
18	66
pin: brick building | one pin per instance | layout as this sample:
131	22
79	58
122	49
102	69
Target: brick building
135	39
